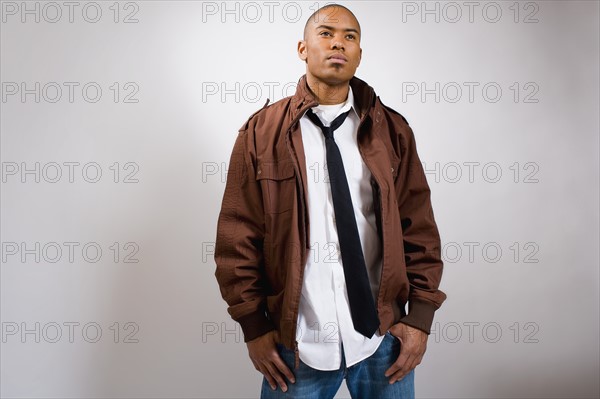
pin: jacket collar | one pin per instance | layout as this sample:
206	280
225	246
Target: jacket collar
303	99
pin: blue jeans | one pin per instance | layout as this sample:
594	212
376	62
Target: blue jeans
364	380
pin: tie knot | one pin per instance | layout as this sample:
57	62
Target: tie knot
327	130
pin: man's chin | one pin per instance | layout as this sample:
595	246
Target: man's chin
335	79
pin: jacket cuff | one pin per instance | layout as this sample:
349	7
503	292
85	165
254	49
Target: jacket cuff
255	324
420	315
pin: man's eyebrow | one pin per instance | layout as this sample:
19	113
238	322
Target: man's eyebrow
332	28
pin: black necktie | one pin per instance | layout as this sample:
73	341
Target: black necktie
362	305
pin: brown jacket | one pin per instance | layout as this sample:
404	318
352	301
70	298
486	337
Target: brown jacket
262	233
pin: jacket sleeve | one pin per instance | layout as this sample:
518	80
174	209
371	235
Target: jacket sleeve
239	241
422	250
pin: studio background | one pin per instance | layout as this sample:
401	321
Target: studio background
117	123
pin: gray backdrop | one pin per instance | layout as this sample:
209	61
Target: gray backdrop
117	123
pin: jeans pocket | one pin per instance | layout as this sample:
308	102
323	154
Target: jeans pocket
288	356
393	339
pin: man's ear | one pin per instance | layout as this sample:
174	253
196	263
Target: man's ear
359	58
302	50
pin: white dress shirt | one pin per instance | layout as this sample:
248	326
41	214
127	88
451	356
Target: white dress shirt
324	320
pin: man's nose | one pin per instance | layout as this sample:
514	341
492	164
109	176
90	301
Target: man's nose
337	44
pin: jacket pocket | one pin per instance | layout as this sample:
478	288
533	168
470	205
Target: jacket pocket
278	185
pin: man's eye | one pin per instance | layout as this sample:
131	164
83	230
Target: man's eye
325	33
350	36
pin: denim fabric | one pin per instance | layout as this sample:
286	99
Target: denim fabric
364	380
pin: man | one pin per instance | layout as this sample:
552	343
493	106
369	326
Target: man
326	231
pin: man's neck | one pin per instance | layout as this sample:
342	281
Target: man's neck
327	94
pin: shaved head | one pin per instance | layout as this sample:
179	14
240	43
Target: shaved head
331	51
328	14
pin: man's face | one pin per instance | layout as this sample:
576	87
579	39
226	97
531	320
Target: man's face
331	46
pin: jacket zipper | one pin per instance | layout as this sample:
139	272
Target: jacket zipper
297	298
296	356
378	185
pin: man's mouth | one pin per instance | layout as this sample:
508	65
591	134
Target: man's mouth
338	58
